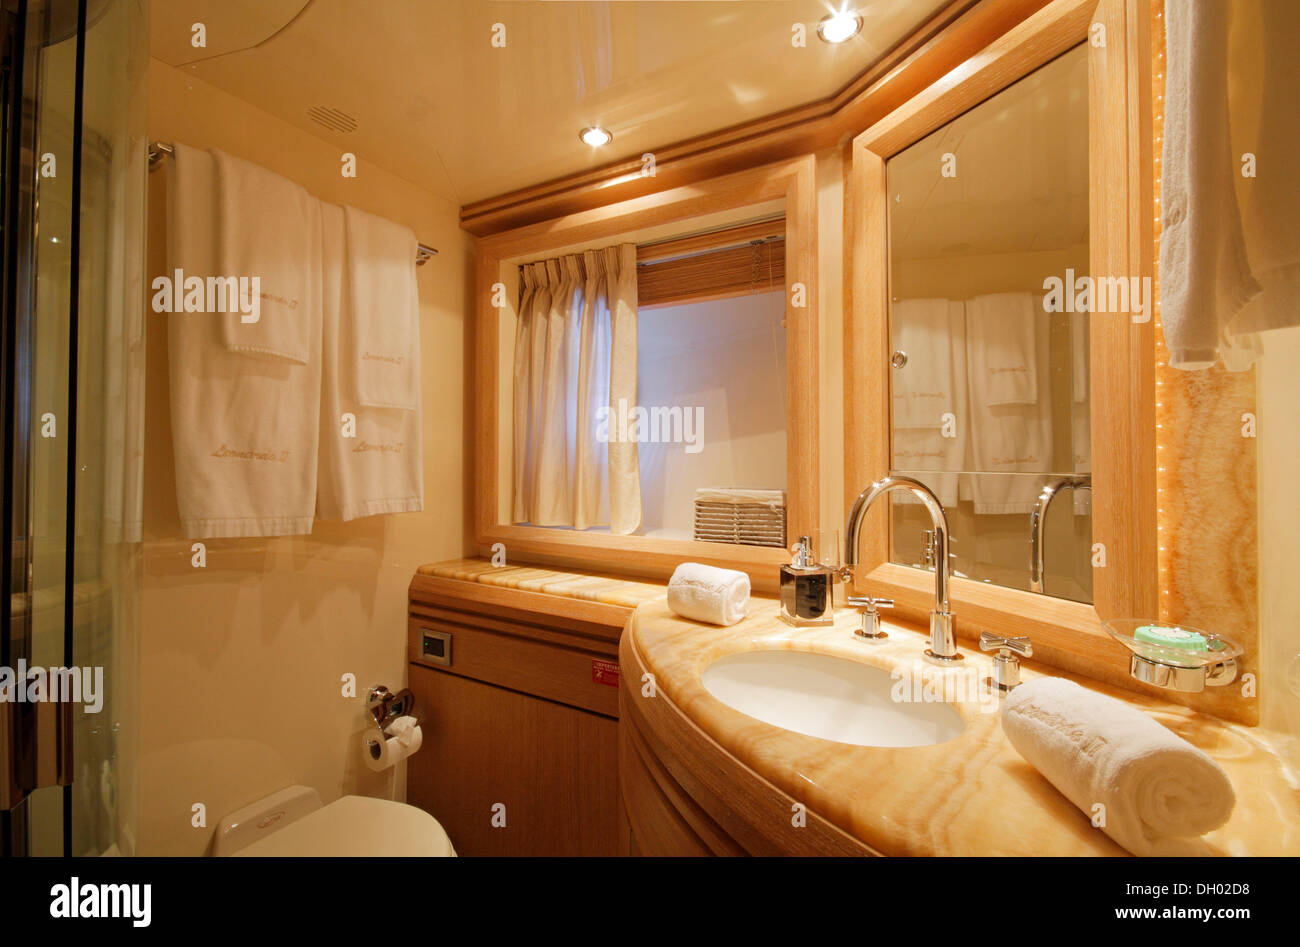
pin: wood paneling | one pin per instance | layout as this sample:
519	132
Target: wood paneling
662	819
553	768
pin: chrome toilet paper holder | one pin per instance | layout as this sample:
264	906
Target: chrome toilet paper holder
384	706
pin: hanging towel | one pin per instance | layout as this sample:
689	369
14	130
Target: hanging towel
932	332
929	386
244	430
1205	276
266	225
370	462
1002	332
384	310
1006	439
1271	203
1159	792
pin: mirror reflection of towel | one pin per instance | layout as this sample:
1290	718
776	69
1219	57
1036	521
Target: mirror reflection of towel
932	332
1002	333
931	385
1011	427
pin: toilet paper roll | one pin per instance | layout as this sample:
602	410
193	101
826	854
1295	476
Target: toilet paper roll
381	752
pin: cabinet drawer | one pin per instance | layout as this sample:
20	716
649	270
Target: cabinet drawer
583	676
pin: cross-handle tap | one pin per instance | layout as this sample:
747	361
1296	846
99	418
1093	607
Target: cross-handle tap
1006	663
869	606
943	640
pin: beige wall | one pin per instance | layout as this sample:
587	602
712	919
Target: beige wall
241	662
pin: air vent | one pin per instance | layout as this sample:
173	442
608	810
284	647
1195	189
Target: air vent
332	119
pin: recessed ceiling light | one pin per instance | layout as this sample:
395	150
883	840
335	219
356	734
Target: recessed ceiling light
837	27
595	136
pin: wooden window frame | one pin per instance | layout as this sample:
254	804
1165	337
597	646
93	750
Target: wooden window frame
793	180
1065	633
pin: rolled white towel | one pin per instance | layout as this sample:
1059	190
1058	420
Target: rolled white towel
1160	793
705	593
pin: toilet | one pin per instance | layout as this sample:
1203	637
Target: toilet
293	823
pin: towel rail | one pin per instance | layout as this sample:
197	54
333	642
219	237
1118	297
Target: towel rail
162	149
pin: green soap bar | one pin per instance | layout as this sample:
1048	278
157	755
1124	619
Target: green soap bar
1171	637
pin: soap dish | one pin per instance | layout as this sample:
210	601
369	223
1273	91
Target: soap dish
1171	656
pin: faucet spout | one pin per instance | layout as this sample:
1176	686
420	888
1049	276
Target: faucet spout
943	643
1038	527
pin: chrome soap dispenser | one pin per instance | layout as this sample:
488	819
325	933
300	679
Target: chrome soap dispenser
807	588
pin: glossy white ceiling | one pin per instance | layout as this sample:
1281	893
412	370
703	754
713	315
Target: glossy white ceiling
435	101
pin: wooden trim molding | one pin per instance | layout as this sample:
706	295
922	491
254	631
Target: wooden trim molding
943	43
794	181
1066	634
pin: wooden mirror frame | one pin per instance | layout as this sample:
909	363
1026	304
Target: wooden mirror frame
1122	373
795	181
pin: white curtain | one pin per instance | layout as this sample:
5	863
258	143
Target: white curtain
574	372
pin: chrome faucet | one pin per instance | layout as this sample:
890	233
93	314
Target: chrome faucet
1038	526
943	642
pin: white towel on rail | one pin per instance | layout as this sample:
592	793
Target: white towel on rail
1270	207
1002	332
384	310
244	430
927	443
933	382
267	226
1007	439
370	457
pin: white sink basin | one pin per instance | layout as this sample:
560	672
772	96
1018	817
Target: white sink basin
819	695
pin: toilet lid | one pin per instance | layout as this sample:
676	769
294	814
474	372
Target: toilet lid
357	826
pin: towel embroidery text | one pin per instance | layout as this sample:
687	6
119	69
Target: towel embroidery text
382	448
278	456
391	359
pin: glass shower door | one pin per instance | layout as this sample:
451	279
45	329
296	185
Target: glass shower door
74	172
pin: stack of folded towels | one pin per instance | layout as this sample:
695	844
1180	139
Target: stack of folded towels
1159	793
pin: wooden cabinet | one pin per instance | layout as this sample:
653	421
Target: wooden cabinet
520	752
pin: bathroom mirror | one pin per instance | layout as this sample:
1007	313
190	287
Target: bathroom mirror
988	371
968	210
